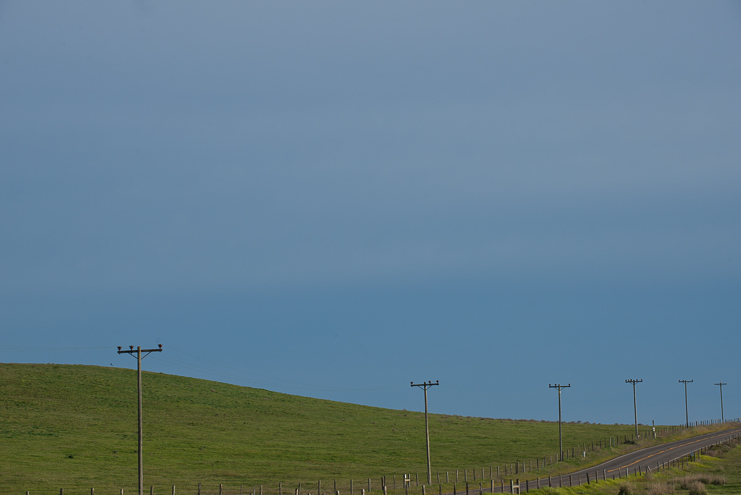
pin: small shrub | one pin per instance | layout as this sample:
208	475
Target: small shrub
659	489
625	489
698	488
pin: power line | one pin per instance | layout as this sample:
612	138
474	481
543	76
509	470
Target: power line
49	348
264	377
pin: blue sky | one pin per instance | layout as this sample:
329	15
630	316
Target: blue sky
337	198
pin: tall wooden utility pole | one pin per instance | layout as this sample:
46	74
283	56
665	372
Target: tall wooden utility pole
138	351
722	418
686	411
425	386
560	438
635	407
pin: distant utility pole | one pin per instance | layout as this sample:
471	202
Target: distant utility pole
686	411
635	407
560	437
138	351
722	419
425	386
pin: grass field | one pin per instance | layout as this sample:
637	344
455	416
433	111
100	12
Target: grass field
75	427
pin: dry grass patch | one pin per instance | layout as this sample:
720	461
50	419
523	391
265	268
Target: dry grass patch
686	482
698	488
660	489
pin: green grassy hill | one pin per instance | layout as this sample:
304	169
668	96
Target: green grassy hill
75	427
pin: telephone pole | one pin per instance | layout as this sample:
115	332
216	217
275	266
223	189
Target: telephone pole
560	437
138	351
425	386
635	407
722	419
686	411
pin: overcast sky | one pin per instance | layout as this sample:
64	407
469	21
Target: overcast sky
337	198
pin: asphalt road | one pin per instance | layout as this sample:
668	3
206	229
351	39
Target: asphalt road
651	457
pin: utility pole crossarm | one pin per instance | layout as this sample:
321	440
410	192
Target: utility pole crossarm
137	350
425	386
560	437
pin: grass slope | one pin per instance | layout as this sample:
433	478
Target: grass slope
75	427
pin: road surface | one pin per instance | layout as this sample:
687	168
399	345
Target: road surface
631	463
